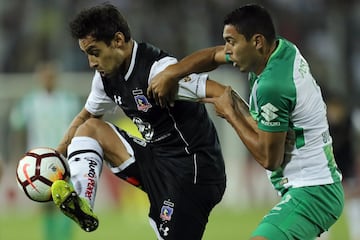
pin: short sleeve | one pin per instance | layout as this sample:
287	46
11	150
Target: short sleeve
191	88
98	103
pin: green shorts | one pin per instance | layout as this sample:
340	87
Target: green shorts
303	213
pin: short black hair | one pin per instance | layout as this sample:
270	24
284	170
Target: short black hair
100	22
251	19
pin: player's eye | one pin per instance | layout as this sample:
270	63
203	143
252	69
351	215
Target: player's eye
231	42
95	53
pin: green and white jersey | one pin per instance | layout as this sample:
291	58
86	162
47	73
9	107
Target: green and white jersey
44	116
285	97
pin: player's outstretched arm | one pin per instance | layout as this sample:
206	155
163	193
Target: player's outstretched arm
82	116
203	60
164	85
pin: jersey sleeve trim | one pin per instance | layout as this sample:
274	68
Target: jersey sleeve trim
98	103
192	87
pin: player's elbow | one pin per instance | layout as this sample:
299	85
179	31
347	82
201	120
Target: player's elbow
270	164
271	167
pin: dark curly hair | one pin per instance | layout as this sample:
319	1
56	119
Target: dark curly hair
100	22
251	19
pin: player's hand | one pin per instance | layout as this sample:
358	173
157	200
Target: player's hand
223	104
163	89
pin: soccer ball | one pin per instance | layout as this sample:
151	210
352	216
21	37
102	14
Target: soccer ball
38	169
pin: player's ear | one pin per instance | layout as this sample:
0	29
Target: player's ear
258	40
119	39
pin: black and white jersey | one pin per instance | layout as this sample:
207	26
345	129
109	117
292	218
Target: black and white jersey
182	130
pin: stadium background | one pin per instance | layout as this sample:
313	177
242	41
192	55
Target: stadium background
326	31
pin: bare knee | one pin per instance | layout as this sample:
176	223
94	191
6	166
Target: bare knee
115	151
90	128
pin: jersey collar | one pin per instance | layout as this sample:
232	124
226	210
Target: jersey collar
132	63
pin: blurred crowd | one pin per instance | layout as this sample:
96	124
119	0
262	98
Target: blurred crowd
327	31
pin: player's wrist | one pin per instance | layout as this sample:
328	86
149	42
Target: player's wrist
175	72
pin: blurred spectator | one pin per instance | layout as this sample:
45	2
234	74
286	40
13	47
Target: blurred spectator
45	114
343	131
11	29
1	168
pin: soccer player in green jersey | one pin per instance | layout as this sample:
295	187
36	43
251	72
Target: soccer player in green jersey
43	114
284	124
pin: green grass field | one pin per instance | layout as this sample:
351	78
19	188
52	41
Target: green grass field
224	224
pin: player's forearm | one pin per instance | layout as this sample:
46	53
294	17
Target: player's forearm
75	124
246	128
204	60
268	153
214	89
241	120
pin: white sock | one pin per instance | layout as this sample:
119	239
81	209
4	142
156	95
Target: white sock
85	157
324	236
352	208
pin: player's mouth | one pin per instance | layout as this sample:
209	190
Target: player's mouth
236	62
233	62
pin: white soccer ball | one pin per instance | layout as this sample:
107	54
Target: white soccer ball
38	169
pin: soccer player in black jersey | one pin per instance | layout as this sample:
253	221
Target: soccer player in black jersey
178	163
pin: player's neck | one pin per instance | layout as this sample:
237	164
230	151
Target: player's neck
267	54
128	52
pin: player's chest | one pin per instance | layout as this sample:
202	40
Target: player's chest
130	95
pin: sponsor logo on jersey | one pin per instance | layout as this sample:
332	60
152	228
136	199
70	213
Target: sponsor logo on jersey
145	128
268	112
141	101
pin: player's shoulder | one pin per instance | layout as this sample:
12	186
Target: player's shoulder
278	73
151	51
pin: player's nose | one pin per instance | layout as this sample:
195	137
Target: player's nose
92	62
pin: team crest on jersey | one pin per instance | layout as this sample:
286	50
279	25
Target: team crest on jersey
187	79
142	102
166	213
167	210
